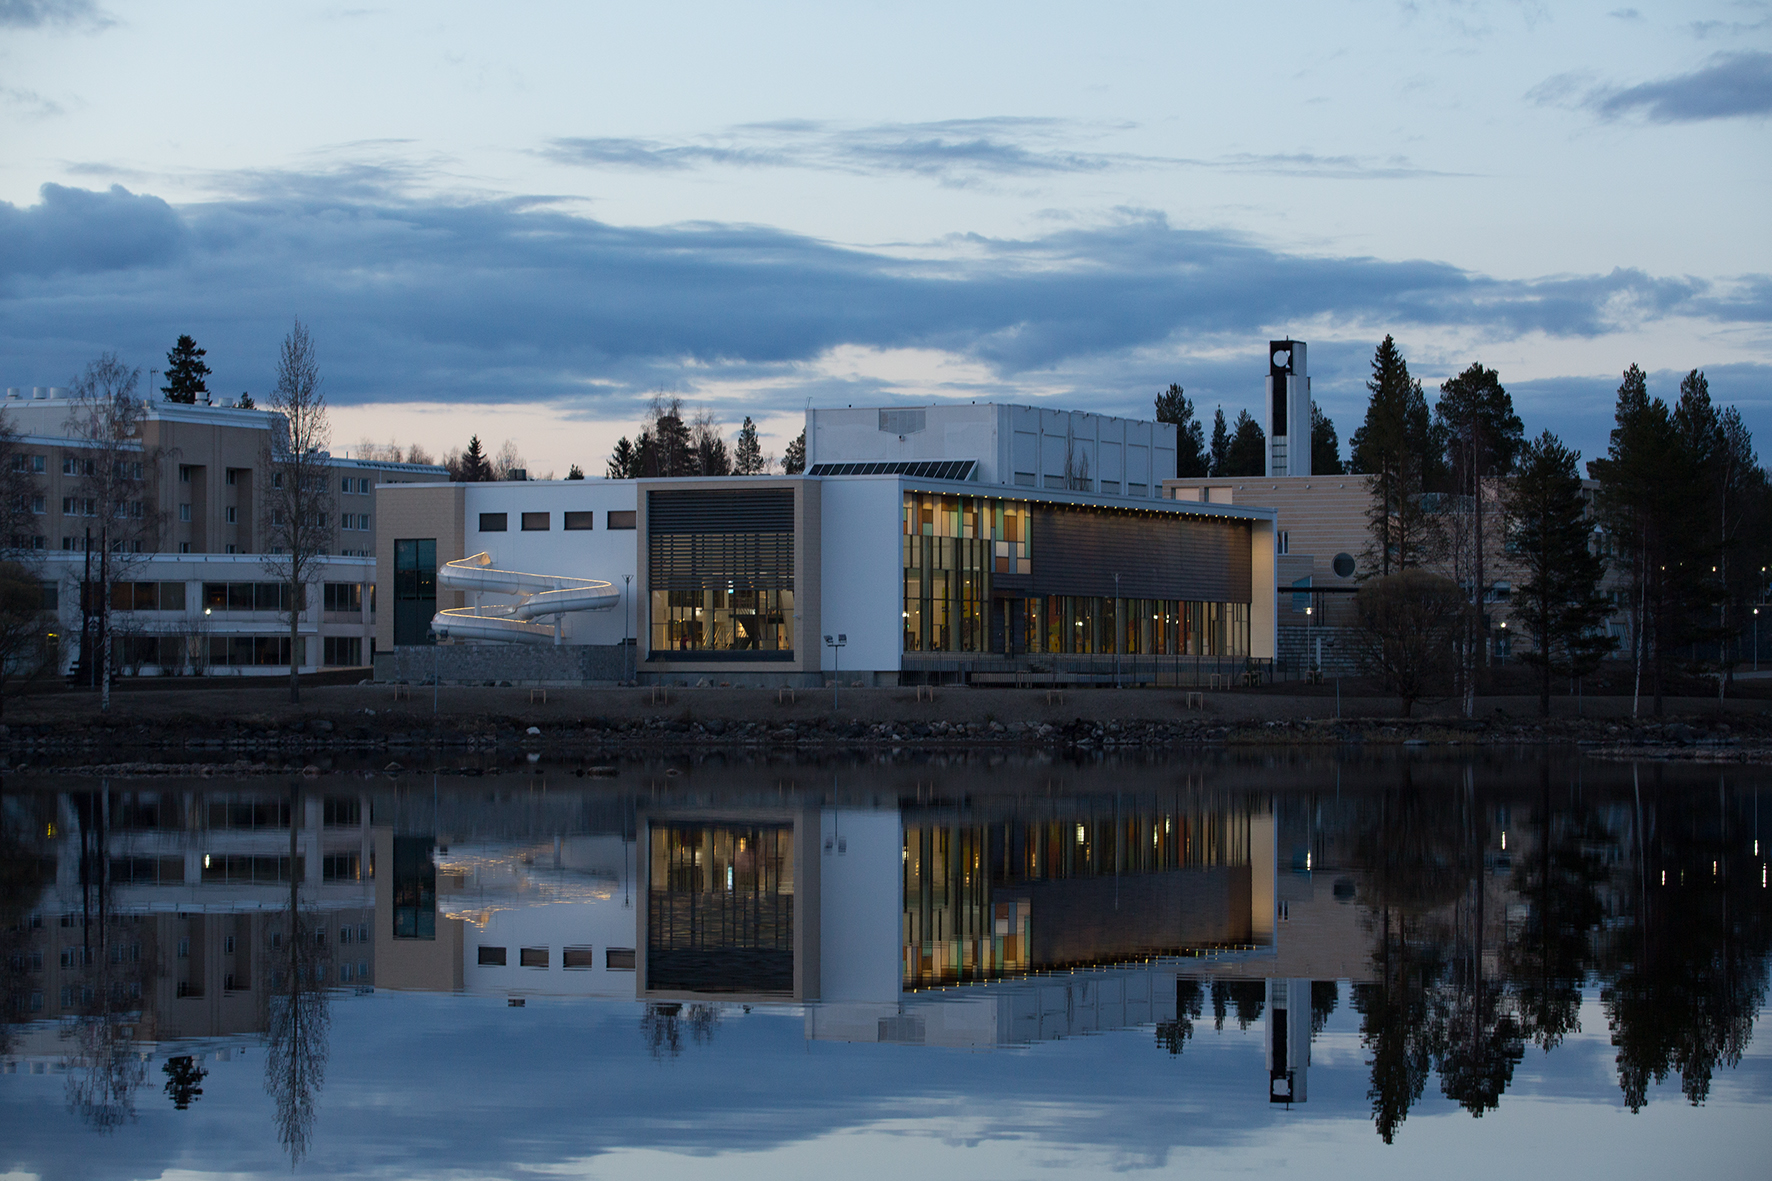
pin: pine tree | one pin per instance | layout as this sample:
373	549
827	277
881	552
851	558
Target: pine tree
793	462
1475	417
1221	445
1247	453
575	472
1173	405
1559	604
748	458
246	402
621	461
1398	449
185	372
709	449
1325	445
1641	504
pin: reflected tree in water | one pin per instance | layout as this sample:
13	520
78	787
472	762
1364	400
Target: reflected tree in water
1247	998
105	986
298	1014
1325	996
1684	984
1190	1003
184	1080
1560	881
663	1026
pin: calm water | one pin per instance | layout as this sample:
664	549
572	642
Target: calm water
1353	966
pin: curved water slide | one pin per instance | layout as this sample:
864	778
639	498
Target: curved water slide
538	595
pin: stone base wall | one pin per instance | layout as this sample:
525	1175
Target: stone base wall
520	664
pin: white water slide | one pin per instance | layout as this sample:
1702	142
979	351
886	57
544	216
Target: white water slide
538	595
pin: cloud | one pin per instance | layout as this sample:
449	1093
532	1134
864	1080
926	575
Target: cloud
81	231
520	301
35	105
1727	86
954	151
32	14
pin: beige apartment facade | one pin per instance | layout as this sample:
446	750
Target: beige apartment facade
191	593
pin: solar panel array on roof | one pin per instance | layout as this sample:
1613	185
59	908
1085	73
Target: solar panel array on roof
926	469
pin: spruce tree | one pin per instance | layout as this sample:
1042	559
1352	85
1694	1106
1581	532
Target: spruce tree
475	468
575	472
1247	453
185	372
793	462
1559	604
1174	406
621	461
748	454
1325	445
1221	445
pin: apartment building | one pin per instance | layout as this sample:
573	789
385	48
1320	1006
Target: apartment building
190	589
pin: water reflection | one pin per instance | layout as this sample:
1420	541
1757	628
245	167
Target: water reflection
1468	907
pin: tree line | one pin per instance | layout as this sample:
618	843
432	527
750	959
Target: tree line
1678	513
672	442
1240	448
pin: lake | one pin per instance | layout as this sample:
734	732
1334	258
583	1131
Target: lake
1352	963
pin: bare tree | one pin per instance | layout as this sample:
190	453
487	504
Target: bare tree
20	493
507	461
297	507
114	477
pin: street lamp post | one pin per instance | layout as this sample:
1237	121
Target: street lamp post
1756	639
835	644
1118	629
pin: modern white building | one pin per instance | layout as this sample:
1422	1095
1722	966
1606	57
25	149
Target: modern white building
1288	409
922	544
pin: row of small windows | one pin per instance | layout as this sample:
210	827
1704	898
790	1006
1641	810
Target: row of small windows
570	521
576	959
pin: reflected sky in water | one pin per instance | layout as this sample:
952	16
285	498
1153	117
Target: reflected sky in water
978	970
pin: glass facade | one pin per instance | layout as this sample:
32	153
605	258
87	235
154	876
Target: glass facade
720	572
968	564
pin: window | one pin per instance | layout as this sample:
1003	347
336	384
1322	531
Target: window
39	505
233	513
533	957
1283	542
492	957
584	520
535	522
342	812
492	522
342	651
415	590
28	463
341	596
79	506
348	484
622	519
618	959
276	479
184	473
76	467
184	547
577	958
233	476
227	945
721	572
339	867
184	512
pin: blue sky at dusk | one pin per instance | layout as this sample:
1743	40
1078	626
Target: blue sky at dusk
523	220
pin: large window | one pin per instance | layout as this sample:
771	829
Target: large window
721	573
973	581
246	596
415	590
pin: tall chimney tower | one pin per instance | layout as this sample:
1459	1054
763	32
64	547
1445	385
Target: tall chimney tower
1288	410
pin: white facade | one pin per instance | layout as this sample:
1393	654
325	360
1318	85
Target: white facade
861	571
599	552
1019	446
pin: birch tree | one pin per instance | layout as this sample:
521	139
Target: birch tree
297	507
113	475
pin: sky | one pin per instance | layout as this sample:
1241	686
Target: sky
524	221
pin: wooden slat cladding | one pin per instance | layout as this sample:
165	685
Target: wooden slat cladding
1157	556
707	510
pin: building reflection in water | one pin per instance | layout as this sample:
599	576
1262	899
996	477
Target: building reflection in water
1467	920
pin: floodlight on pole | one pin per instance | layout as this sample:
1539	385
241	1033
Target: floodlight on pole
835	644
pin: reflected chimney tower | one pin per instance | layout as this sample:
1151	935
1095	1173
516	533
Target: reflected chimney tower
1288	1040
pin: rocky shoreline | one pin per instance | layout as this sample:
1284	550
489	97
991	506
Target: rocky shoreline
312	745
